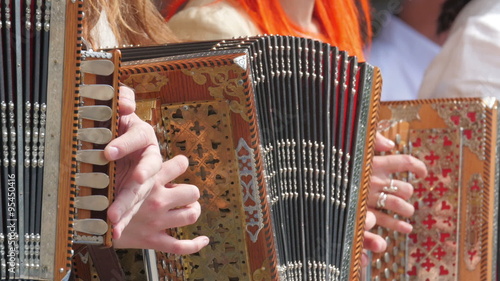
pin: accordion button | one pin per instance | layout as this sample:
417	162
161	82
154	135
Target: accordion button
91	226
98	67
92	180
92	202
378	263
397	140
387	273
95	135
395	267
380	231
387	257
97	92
395	251
92	156
95	112
388	240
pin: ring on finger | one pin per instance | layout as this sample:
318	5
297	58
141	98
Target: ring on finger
391	188
382	197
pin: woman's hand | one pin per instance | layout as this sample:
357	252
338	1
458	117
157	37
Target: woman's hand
146	204
372	242
389	194
138	160
167	206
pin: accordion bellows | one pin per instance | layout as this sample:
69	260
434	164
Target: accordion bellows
279	132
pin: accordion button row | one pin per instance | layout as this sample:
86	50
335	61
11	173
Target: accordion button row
94	135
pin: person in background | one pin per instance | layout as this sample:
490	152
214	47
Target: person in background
343	23
143	182
410	35
405	44
468	63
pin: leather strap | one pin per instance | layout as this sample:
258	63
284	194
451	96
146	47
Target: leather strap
106	263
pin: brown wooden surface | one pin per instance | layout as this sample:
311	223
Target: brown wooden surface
68	142
357	249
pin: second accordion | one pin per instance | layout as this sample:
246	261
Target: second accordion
279	132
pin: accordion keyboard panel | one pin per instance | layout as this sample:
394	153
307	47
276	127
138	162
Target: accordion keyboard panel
50	149
454	226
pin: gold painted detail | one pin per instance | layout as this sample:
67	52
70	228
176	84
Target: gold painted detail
405	113
202	132
146	82
474	222
227	82
144	109
262	274
147	110
469	116
432	245
250	190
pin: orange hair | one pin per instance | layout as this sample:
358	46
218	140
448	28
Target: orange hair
343	23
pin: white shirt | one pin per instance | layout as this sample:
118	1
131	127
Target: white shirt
206	20
403	55
469	63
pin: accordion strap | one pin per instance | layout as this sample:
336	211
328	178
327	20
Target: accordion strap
106	263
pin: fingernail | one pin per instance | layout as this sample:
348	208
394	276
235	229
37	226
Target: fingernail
206	241
113	152
390	143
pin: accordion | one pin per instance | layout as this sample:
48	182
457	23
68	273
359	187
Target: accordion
454	233
58	109
279	133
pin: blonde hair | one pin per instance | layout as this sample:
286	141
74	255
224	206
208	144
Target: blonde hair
134	22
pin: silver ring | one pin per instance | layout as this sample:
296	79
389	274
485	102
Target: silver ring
391	188
382	197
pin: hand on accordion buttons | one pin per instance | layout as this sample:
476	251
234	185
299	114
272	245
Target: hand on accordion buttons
140	179
138	160
392	195
167	206
372	242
